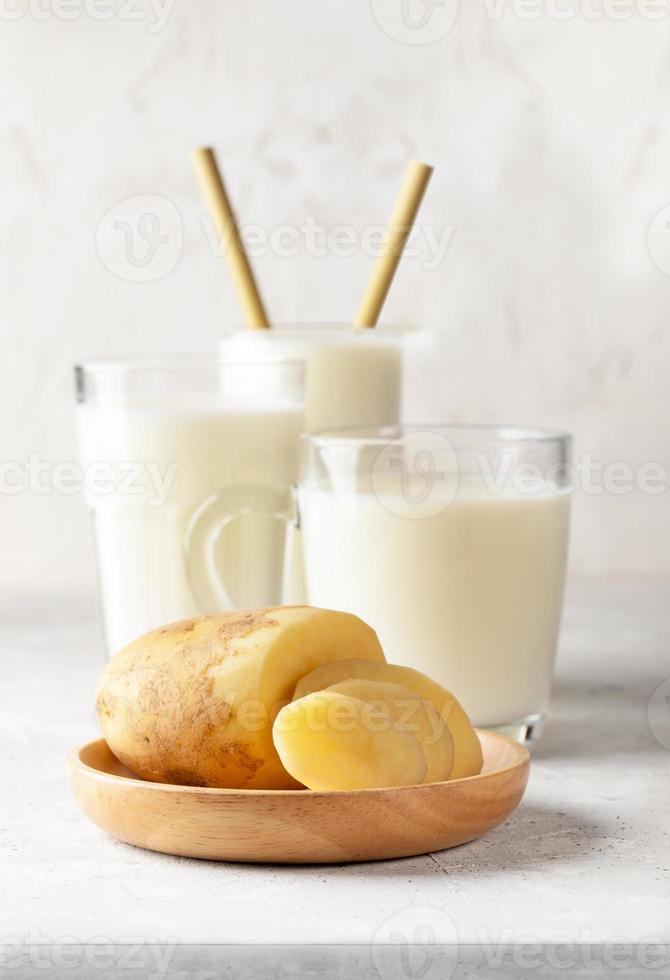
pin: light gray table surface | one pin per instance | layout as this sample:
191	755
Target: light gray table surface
584	860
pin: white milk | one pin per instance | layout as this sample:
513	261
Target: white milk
470	595
140	538
353	377
356	383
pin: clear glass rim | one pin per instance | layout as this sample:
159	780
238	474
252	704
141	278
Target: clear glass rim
461	436
175	362
301	329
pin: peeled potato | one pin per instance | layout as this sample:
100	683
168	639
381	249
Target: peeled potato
467	750
329	741
193	702
414	714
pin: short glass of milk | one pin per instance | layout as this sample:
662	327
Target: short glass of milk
160	436
451	542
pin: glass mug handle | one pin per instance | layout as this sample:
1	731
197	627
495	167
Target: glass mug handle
207	581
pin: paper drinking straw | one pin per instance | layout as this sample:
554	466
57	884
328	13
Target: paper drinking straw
399	226
213	190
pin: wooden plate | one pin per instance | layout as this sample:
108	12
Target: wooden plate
299	826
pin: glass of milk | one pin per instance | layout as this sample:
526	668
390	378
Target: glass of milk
353	376
160	437
451	542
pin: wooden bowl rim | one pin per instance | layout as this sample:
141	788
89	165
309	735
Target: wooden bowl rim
76	763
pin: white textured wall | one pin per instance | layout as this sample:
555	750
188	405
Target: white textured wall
551	141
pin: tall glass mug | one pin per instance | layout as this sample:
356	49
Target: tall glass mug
159	438
451	542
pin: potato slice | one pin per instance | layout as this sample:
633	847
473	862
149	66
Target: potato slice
329	741
194	702
467	750
414	714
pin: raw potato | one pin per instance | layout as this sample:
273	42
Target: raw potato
326	740
468	758
194	702
415	714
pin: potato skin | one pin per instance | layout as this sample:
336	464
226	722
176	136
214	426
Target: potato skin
193	702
